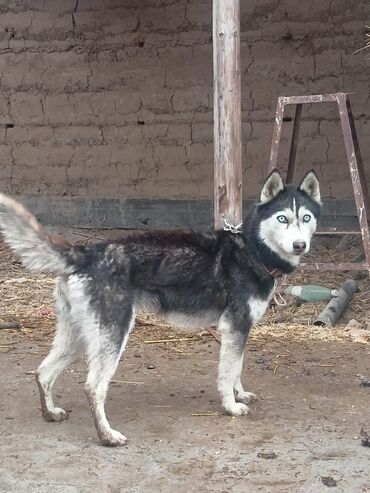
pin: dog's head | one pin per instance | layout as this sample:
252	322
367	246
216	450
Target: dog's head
287	216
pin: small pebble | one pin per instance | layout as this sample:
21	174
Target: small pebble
328	481
260	360
150	367
365	442
365	383
267	455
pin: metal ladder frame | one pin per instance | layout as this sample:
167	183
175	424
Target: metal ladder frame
360	188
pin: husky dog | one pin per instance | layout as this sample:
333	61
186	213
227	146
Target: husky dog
192	279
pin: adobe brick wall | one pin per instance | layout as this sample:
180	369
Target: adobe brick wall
113	99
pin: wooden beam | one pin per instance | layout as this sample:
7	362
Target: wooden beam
227	112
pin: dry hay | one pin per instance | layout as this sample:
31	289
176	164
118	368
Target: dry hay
28	299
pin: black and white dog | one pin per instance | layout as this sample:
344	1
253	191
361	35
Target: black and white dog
192	279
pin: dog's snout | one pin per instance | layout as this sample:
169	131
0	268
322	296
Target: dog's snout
299	246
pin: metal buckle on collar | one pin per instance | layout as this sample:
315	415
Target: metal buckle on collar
232	228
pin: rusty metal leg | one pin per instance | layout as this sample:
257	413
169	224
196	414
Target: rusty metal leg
294	143
360	166
355	175
276	135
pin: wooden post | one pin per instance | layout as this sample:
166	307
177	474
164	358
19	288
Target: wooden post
227	113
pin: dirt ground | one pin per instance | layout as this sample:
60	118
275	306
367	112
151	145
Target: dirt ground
306	433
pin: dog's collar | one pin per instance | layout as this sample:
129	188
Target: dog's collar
274	272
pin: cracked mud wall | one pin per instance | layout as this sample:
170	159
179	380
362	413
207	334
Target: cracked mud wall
113	99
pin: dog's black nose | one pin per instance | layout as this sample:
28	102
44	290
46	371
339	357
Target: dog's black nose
299	246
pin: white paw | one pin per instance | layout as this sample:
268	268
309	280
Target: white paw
113	439
245	397
56	414
237	409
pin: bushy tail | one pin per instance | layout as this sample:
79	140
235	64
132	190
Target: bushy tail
26	237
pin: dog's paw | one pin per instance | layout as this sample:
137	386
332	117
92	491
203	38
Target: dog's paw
113	439
245	397
237	409
57	414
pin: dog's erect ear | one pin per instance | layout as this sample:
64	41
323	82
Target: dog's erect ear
273	185
310	185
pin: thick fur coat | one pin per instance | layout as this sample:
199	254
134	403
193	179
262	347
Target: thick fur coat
193	279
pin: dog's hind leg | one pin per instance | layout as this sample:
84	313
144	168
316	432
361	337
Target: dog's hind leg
66	349
230	366
103	354
242	395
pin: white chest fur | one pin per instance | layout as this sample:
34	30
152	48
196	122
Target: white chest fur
257	307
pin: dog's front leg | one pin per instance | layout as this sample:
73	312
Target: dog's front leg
242	395
230	366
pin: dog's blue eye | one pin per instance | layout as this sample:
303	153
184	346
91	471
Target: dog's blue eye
306	218
282	219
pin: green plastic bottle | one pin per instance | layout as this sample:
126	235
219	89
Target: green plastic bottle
311	292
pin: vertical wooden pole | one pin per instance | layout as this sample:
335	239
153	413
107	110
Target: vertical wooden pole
227	113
